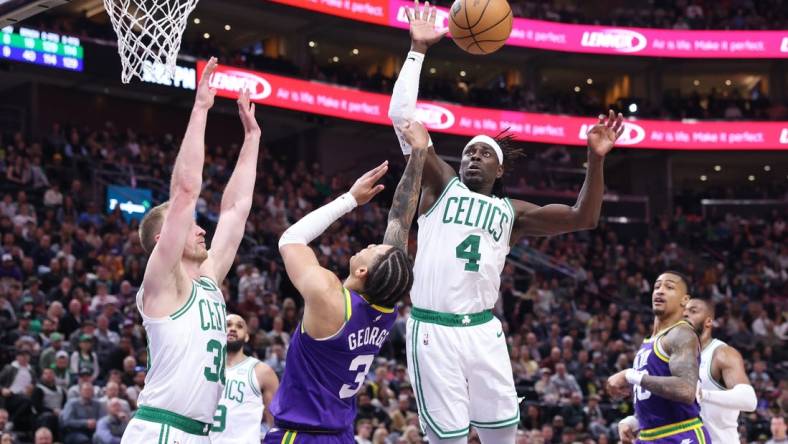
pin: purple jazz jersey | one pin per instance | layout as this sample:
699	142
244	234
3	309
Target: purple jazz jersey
653	411
322	377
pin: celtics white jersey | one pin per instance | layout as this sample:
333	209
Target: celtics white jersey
186	354
240	411
721	423
462	249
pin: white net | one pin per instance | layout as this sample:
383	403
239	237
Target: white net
149	32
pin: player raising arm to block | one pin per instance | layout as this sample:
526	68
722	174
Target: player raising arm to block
345	322
465	232
665	372
182	308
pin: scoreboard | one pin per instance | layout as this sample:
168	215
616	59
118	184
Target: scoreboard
41	48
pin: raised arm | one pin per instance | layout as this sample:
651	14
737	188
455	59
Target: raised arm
320	288
553	219
402	108
683	346
403	205
269	384
740	394
185	188
237	198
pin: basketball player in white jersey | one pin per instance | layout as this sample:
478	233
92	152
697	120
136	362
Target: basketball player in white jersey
457	355
248	390
182	308
724	388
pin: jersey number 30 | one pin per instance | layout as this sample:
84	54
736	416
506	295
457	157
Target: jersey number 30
469	251
360	365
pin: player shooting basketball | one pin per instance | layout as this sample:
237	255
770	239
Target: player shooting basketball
345	322
182	308
465	233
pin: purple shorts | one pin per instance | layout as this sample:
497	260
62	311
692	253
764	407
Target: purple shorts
694	436
280	436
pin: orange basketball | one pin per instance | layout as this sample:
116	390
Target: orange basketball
480	26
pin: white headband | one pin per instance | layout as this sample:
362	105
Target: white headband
487	140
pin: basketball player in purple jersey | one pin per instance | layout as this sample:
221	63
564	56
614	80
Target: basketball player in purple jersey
345	323
665	373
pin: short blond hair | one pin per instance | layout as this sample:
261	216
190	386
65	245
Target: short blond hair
151	226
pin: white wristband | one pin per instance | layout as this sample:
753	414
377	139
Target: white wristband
633	376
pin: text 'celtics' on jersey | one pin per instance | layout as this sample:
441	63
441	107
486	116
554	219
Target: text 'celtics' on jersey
240	410
463	244
186	354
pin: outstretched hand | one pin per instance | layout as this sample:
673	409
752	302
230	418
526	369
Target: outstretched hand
415	134
366	186
423	33
603	136
246	111
205	94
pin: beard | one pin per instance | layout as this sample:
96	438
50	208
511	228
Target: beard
235	346
698	328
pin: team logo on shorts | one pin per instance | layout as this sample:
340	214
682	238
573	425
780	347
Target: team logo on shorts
426	340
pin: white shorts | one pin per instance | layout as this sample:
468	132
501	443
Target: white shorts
140	431
462	377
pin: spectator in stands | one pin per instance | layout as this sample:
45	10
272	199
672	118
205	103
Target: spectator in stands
17	380
85	377
80	416
564	384
61	369
110	428
276	360
5	425
778	430
43	436
113	391
363	431
48	400
84	358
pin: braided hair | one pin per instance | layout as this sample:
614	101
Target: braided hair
389	278
511	152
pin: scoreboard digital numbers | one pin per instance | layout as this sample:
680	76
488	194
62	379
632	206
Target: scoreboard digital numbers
41	48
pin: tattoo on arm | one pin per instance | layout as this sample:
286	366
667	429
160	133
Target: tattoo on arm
403	206
682	344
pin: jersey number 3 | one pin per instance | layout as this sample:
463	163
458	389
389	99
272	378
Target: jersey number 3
469	251
215	374
360	365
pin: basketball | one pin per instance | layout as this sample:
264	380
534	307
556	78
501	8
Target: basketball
480	26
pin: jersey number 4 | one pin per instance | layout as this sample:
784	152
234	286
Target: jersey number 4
469	250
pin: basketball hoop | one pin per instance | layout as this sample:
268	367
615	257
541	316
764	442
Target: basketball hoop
149	33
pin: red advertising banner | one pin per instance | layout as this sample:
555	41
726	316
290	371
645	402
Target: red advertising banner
351	104
590	39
